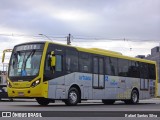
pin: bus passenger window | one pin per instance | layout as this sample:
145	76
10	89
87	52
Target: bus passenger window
68	64
84	62
71	61
101	67
95	65
143	70
111	65
152	72
122	67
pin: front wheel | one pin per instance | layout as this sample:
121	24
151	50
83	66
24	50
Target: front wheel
73	97
43	101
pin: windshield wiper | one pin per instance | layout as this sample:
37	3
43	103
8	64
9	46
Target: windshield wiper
15	59
31	54
23	71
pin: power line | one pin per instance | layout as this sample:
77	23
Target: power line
79	39
23	35
83	39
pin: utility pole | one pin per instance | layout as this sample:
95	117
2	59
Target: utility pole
69	39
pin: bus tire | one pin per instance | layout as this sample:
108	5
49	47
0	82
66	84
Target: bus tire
108	102
43	101
73	97
134	98
11	99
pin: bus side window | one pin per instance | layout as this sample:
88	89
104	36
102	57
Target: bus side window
143	70
107	66
68	63
84	62
95	65
122	67
71	61
111	65
101	66
152	71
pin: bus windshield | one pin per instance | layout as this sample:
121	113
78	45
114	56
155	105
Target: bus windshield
25	63
25	60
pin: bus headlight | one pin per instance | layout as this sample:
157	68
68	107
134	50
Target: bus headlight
35	83
9	84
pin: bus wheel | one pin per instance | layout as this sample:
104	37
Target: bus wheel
134	98
108	102
11	99
43	101
73	97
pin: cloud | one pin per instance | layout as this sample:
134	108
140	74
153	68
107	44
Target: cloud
107	18
134	20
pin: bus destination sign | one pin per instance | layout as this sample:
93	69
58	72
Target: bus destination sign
29	47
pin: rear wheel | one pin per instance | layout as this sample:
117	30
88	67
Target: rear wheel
73	97
43	101
134	98
108	102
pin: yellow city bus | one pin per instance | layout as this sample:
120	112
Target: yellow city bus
48	71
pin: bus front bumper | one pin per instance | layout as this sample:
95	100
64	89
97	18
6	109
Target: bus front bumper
25	92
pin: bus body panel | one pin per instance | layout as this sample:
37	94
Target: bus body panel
115	87
92	85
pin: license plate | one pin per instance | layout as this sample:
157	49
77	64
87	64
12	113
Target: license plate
21	94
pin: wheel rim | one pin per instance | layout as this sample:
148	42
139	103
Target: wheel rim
73	97
134	97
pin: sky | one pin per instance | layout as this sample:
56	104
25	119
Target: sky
128	26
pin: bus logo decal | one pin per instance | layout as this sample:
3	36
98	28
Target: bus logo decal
113	83
106	77
83	77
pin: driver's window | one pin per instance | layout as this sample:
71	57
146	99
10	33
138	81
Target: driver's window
58	66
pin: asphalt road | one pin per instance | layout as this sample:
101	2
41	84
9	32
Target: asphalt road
87	109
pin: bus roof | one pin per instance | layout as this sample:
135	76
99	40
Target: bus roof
97	51
107	53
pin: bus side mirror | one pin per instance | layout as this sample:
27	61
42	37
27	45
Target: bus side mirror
53	59
4	52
